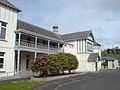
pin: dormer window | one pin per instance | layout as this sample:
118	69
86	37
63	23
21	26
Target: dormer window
3	26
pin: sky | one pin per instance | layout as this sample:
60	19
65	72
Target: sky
100	16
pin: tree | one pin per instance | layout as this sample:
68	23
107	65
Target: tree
55	64
41	64
68	61
72	62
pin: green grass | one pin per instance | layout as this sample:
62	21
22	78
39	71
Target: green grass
20	85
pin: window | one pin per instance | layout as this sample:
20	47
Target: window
3	30
1	59
89	47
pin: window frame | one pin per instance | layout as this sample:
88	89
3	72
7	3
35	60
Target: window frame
3	26
2	56
89	47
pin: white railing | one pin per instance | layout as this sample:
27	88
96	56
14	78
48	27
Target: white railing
53	48
42	46
25	43
30	44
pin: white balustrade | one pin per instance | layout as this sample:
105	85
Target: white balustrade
30	44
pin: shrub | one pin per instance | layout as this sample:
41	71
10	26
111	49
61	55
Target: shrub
41	64
68	61
54	63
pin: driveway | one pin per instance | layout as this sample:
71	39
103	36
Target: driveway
102	81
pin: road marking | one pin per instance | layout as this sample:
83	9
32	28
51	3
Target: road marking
72	82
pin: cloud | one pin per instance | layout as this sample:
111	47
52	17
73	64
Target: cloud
102	16
110	5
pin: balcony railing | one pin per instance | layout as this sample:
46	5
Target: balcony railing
25	43
42	46
31	44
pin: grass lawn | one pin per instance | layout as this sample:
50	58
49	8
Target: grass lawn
20	85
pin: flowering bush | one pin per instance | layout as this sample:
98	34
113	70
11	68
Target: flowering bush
54	64
41	64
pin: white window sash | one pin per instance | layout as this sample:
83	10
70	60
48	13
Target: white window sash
0	28
1	56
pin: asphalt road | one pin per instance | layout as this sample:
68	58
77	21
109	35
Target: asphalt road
109	80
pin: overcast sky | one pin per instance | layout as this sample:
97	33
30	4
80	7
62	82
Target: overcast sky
100	16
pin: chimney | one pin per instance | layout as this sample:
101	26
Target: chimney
55	29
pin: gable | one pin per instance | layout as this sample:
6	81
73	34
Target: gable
91	37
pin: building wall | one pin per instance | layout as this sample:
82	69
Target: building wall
82	46
10	17
89	41
69	48
113	64
8	64
82	59
91	66
97	49
110	65
116	64
80	50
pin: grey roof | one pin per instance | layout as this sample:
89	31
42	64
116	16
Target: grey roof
108	58
76	35
8	4
35	29
93	56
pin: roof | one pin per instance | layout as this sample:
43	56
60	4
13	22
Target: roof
76	35
38	30
8	4
93	56
108	58
96	44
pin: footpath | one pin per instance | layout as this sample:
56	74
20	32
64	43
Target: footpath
50	78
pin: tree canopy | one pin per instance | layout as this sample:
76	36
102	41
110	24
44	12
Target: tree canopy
55	63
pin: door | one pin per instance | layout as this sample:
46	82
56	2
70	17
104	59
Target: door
28	62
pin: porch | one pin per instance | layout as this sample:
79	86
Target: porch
28	46
23	60
37	43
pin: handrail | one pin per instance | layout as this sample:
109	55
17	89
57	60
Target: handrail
22	40
31	44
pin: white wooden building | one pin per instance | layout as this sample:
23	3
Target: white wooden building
21	42
87	50
109	63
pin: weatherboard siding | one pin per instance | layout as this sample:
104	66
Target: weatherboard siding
81	47
8	16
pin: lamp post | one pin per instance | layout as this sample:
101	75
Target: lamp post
96	63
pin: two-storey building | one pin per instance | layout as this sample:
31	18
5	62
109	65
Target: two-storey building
21	42
87	50
8	24
32	41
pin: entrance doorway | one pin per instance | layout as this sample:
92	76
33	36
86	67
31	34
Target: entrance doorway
28	62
